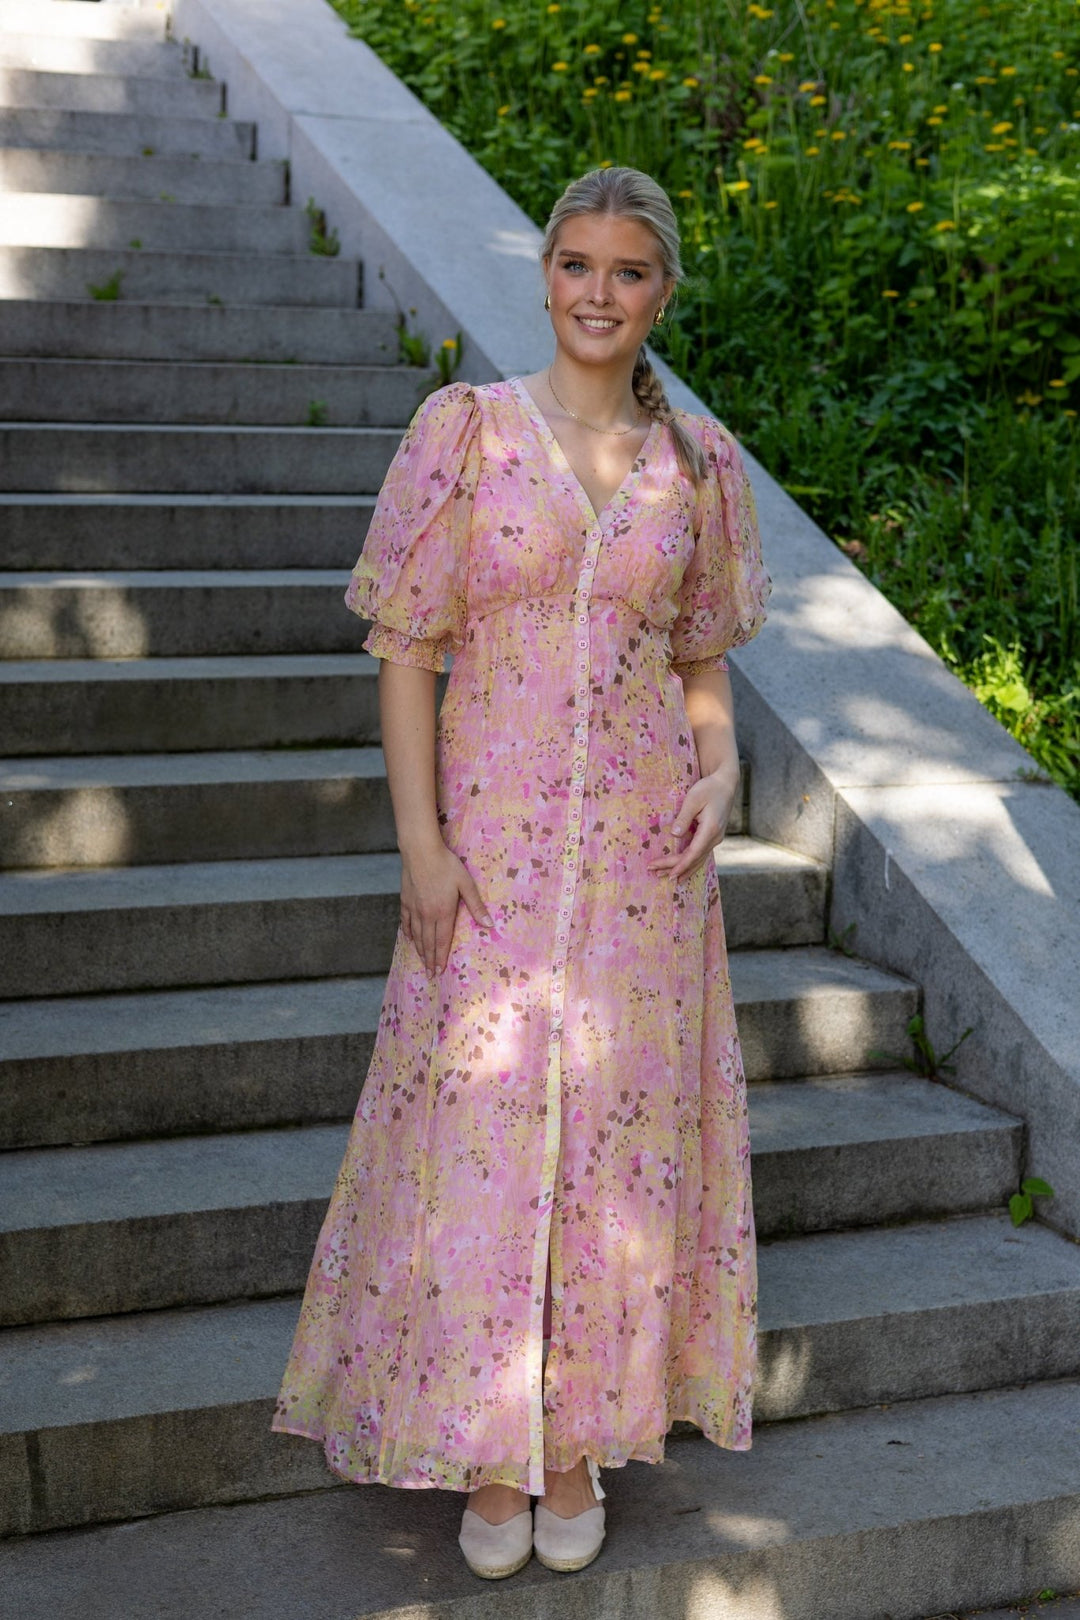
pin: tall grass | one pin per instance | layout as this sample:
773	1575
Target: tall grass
880	202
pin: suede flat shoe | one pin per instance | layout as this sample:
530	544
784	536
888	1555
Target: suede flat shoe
570	1544
494	1551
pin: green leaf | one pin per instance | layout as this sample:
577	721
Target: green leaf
1036	1187
1020	1208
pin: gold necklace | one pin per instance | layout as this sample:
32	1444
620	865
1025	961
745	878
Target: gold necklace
615	433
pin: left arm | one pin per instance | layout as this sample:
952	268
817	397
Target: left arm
707	805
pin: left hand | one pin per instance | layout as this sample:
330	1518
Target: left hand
706	808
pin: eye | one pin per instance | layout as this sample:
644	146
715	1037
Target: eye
631	274
573	264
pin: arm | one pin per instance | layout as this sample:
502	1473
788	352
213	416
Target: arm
433	879
707	806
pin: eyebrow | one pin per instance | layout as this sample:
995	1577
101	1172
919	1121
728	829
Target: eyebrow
639	264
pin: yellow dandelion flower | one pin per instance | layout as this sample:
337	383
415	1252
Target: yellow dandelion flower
906	39
755	140
500	22
786	56
762	78
839	135
1007	72
685	193
807	85
820	132
1001	129
773	204
890	292
1028	398
644	54
922	163
899	146
1070	73
622	95
449	343
1040	129
591	50
607	163
559	67
1068	413
813	151
994	146
640	67
553	9
691	83
658	73
1031	151
908	67
985	78
945	225
1058	56
629	39
935	47
942	107
915	207
589	92
501	112
739	185
934	120
1057	382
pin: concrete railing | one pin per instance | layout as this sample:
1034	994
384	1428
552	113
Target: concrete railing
955	867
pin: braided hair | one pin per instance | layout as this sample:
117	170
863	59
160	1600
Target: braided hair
629	194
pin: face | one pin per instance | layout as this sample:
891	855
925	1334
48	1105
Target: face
606	283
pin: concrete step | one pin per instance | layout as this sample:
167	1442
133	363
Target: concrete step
177	278
190	613
161	179
209	531
131	459
209	391
54	220
69	20
126	330
179	97
93	1231
232	922
181	705
846	1321
126	134
57	53
955	1502
92	1068
146	809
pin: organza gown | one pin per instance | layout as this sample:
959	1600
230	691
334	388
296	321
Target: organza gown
572	1082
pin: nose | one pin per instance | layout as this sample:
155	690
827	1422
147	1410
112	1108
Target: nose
598	291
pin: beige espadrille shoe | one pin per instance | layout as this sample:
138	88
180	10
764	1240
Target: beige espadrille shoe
494	1551
570	1544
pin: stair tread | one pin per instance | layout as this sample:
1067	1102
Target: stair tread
150	499
194	1357
42	891
841	1515
57	1187
248	666
65	772
213	1015
173	578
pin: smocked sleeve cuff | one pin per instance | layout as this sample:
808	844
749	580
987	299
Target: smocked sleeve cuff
398	648
700	666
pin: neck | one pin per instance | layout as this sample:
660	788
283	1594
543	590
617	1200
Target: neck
604	395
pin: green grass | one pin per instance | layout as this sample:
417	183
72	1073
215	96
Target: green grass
880	204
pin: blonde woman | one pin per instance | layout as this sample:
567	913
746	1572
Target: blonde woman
540	1253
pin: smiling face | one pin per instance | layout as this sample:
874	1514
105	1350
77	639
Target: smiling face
606	281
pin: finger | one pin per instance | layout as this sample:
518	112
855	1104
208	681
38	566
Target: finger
471	896
693	855
444	933
427	944
406	925
690	809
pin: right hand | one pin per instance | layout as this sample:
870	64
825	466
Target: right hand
433	884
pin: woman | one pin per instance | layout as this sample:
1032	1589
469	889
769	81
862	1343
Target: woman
540	1248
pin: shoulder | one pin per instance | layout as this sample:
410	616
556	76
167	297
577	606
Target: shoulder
718	442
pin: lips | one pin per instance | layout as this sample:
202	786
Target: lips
596	323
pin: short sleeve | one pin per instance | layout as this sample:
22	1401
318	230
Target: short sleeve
410	578
725	587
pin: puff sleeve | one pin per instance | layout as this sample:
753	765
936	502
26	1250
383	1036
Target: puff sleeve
725	587
410	578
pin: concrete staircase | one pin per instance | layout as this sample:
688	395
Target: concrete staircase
198	899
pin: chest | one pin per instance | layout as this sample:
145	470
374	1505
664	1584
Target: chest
600	463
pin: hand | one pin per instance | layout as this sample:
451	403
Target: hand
433	883
706	808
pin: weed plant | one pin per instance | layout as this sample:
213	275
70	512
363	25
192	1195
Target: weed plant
880	205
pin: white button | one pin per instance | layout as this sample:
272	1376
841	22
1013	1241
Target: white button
583	645
583	667
583	618
575	815
561	939
590	562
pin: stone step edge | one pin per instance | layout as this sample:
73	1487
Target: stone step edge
918	1509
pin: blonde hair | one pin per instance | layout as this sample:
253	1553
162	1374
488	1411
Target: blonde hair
629	194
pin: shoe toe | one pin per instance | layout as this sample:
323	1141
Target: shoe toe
567	1544
494	1551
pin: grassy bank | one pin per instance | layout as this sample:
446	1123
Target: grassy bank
880	203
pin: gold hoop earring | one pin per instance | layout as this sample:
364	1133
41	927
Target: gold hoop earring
658	318
547	301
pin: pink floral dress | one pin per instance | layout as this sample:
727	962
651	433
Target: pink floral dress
572	1083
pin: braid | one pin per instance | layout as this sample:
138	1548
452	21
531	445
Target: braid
650	395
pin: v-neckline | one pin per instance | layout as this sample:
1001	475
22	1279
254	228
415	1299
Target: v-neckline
559	454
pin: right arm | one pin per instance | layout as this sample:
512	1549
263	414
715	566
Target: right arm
433	879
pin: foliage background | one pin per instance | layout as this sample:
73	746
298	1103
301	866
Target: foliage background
880	205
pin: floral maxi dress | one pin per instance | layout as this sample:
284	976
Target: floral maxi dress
571	1086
